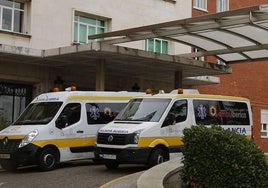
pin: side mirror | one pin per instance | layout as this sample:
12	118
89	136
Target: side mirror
61	122
170	120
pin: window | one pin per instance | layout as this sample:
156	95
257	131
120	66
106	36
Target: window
196	50
179	111
70	115
85	26
222	5
11	16
156	45
39	113
102	113
200	4
212	112
146	109
264	123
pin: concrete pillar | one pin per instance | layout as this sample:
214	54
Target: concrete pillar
100	75
178	80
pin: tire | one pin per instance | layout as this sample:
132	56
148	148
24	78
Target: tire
97	161
157	157
9	165
111	164
48	159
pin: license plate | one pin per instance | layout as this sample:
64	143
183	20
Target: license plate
108	156
4	156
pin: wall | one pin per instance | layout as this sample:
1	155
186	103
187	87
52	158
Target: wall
51	22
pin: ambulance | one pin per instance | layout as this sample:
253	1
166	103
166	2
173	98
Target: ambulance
149	129
59	126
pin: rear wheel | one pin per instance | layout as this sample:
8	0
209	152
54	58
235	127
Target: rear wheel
157	156
111	164
9	165
48	159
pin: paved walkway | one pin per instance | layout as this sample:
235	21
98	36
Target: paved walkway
163	175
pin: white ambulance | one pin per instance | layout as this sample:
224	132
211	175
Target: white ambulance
149	130
59	126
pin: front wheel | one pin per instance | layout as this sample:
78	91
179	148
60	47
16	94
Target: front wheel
9	165
157	156
48	159
111	164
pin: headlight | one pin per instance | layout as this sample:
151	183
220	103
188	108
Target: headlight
28	138
136	136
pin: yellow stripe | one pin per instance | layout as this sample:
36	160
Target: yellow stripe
153	141
99	97
63	143
205	96
12	136
213	96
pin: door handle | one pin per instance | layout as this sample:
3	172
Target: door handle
79	131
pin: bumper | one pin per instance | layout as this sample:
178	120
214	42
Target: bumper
124	156
21	156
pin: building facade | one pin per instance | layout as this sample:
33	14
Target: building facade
248	79
36	25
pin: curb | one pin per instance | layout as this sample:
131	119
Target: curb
162	175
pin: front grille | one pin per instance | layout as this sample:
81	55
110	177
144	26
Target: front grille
117	139
10	146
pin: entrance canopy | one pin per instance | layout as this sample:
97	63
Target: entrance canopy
118	61
232	36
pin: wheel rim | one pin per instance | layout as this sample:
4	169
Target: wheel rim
49	160
160	159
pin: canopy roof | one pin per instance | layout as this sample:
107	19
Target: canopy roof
232	36
118	61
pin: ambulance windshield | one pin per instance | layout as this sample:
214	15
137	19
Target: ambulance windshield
146	109
38	113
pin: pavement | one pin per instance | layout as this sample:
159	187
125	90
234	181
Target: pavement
165	175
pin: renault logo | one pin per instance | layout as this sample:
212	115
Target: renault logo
110	138
5	141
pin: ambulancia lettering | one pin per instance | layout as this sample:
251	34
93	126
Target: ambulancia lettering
113	131
238	130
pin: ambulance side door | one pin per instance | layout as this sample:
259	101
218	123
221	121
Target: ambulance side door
176	119
71	130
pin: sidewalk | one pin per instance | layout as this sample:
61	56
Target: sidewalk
163	175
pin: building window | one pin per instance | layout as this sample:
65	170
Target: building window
11	16
202	58
156	45
264	123
85	26
200	4
222	5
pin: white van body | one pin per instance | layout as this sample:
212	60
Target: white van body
149	130
59	126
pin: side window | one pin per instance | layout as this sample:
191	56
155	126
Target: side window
179	109
102	113
177	113
211	112
69	115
